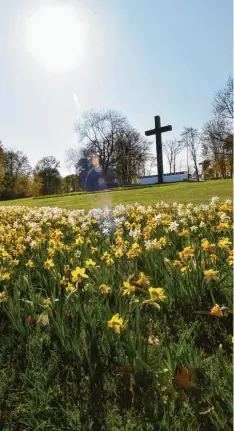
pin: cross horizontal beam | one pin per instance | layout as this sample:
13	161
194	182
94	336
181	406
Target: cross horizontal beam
159	130
165	129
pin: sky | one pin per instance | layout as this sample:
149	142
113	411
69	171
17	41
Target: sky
140	57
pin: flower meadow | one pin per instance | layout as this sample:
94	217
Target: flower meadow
116	319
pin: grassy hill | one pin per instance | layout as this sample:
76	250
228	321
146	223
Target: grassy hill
181	192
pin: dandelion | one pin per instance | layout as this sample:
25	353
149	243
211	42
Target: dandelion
116	322
211	274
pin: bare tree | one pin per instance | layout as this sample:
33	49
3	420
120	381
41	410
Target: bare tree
108	136
191	140
172	149
217	144
223	101
99	132
152	162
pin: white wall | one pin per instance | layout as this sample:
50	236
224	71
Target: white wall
166	179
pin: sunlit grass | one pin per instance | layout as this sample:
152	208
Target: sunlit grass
181	192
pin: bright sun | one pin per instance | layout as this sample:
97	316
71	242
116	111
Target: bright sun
56	38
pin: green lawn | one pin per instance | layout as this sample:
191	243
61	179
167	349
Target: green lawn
181	192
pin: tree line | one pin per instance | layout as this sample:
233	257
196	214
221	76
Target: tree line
123	153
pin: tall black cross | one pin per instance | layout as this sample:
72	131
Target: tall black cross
158	132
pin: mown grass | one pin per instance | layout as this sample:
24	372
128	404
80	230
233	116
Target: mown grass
181	192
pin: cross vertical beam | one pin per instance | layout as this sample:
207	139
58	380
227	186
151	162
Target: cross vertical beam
157	121
157	131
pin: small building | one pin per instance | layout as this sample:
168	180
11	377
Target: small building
167	178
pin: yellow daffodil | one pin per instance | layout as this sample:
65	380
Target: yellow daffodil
219	311
213	257
66	268
187	252
118	252
222	227
90	263
103	289
206	245
70	288
134	250
48	264
211	274
184	233
29	264
177	263
63	281
157	294
116	322
79	240
161	242
78	274
224	243
143	280
106	257
6	276
94	250
3	296
128	288
47	301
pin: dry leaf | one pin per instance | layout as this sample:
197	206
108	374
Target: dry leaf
185	377
126	369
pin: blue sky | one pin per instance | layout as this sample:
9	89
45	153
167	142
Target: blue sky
142	57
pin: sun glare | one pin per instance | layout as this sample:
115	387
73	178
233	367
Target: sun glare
56	38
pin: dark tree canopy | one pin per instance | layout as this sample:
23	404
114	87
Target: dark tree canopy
16	169
47	169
